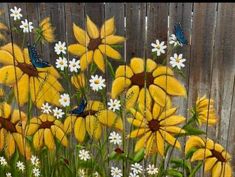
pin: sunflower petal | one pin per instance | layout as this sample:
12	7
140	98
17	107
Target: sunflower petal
6	58
85	60
9	74
5	110
162	70
69	124
10	145
21	90
136	114
160	143
93	127
38	139
145	98
80	35
99	60
78	80
92	28
15	51
60	135
194	141
124	71
150	65
158	95
137	123
108	28
3	138
119	84
209	163
113	39
138	132
172	120
201	154
131	96
49	139
77	49
109	51
173	129
142	141
137	65
156	111
170	139
80	129
216	170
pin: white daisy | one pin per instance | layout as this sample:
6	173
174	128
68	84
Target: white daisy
96	174
158	47
3	161
26	26
58	113
173	40
136	168
36	172
60	48
97	83
8	174
84	155
177	61
132	174
64	100
151	170
61	63
46	108
114	104
116	172
81	173
20	165
34	160
15	13
115	138
74	65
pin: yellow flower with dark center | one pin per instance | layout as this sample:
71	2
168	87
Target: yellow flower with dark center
47	30
12	131
79	80
215	157
93	44
92	121
19	73
205	111
155	83
45	129
154	127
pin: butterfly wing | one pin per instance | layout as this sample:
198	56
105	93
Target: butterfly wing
80	109
180	34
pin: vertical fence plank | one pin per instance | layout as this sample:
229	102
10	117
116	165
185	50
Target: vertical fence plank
223	75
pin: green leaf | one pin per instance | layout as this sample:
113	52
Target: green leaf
190	130
182	164
116	46
174	173
190	152
110	67
196	169
93	68
139	155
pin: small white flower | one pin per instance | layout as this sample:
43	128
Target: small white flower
60	48
84	155
81	173
136	168
151	170
173	40
3	161
20	165
8	174
158	47
15	13
46	108
74	65
61	63
26	26
115	138
132	174
36	172
58	113
97	83
114	104
177	61
96	174
64	100
116	172
34	160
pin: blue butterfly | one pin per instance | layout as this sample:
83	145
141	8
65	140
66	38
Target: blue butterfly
80	108
180	34
35	59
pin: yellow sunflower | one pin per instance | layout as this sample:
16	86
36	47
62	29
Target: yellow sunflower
205	111
93	44
45	129
92	120
18	72
157	83
12	131
215	157
154	127
79	80
46	31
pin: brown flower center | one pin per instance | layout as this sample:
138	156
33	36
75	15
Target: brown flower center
139	79
46	124
8	125
28	69
94	43
88	112
218	155
154	125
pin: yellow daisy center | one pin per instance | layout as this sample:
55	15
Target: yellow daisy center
46	124
141	78
97	81
177	60
218	155
94	43
7	124
154	125
28	69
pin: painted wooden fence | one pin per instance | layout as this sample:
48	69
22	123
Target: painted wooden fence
209	27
